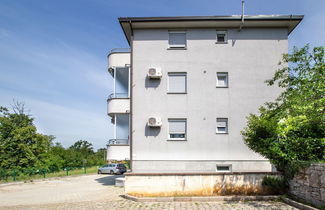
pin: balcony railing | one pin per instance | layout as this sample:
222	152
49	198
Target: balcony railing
118	95
118	141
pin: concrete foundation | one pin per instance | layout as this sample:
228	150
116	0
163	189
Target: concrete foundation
203	184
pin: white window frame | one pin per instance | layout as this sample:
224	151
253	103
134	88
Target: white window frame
177	74
224	165
177	46
226	37
177	120
222	74
223	119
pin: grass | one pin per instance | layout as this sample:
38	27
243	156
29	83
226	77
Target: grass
80	171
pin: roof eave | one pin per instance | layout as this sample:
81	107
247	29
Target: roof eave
126	22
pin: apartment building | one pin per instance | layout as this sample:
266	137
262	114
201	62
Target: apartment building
188	84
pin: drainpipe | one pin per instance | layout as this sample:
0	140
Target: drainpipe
242	14
131	97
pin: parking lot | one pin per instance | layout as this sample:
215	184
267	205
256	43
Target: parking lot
98	192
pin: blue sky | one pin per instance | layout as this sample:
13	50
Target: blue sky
53	53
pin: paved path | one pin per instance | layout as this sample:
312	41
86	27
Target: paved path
98	192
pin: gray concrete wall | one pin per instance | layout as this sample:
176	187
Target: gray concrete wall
151	185
250	57
309	184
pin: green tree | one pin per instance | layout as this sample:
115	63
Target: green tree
55	157
20	144
291	130
79	154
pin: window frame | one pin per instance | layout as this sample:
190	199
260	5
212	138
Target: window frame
224	33
185	132
227	125
177	74
175	47
227	80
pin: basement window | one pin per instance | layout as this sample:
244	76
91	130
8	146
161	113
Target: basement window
223	168
222	37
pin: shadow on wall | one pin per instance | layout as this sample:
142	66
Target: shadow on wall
151	131
152	83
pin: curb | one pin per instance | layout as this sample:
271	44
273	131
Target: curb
201	198
297	204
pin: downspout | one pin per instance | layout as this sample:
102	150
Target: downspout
242	14
131	96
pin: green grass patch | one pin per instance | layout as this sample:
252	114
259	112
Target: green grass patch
72	172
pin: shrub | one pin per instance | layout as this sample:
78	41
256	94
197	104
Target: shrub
274	185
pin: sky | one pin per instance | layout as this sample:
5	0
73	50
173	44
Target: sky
53	53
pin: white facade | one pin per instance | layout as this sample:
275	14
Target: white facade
250	57
219	85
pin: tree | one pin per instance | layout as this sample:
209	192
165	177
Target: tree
20	144
291	130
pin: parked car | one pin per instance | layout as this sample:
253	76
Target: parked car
114	168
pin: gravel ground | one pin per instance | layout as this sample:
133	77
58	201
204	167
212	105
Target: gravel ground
99	192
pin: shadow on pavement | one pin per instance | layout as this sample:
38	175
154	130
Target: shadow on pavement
108	180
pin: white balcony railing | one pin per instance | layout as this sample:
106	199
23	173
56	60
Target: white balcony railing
118	142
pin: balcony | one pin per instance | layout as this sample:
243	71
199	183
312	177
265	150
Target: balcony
118	58
119	102
121	129
118	147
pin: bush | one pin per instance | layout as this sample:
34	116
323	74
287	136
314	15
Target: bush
275	185
3	174
290	131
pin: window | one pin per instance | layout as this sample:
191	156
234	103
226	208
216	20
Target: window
222	37
176	82
223	168
222	79
222	125
177	129
177	39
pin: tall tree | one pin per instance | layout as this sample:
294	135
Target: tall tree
20	144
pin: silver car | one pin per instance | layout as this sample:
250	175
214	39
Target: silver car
114	168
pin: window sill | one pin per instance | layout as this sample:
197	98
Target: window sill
176	140
176	48
221	42
176	93
222	133
222	86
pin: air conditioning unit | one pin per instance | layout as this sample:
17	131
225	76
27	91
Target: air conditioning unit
154	73
154	122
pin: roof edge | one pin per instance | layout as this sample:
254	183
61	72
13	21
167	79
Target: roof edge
206	18
126	22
